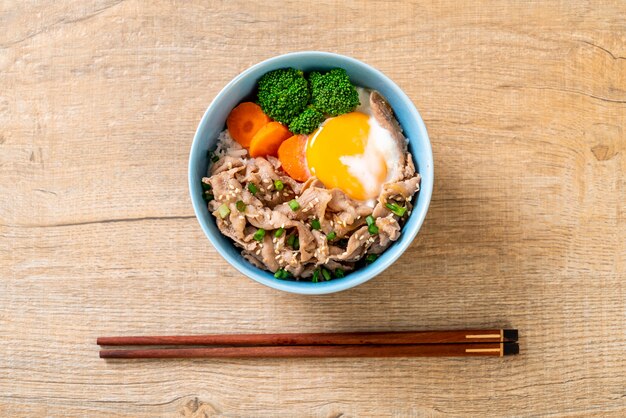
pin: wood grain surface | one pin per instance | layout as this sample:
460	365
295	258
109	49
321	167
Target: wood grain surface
525	103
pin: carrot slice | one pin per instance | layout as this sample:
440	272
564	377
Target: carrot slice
291	154
244	121
267	140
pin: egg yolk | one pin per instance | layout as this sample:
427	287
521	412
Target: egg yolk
338	155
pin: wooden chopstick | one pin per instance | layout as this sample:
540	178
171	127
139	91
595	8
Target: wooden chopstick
403	350
347	338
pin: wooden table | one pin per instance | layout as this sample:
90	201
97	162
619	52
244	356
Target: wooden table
526	108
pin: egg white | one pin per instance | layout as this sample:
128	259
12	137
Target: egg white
380	142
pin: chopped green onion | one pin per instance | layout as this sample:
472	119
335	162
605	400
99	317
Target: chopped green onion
339	273
206	186
316	275
281	274
252	188
326	274
259	234
293	242
294	205
223	211
279	232
207	196
370	258
315	224
331	235
278	185
396	209
241	207
370	220
373	229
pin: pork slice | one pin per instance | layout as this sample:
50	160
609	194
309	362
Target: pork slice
307	242
267	254
321	253
332	265
262	173
340	202
240	238
409	167
290	262
312	201
388	229
307	271
346	214
357	246
383	113
225	186
238	223
401	191
226	163
378	247
312	182
262	217
292	185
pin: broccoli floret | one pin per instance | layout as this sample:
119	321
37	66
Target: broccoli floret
333	93
307	121
283	94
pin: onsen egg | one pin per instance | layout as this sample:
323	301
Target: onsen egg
354	153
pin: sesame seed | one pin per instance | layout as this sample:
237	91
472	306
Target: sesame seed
282	225
285	194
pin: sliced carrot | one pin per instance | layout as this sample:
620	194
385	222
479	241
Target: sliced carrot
244	121
293	158
267	140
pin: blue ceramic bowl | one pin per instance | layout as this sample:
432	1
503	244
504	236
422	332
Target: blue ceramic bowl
213	122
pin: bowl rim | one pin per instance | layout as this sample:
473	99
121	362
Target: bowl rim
415	220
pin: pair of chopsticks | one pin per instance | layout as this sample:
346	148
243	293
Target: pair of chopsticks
457	343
